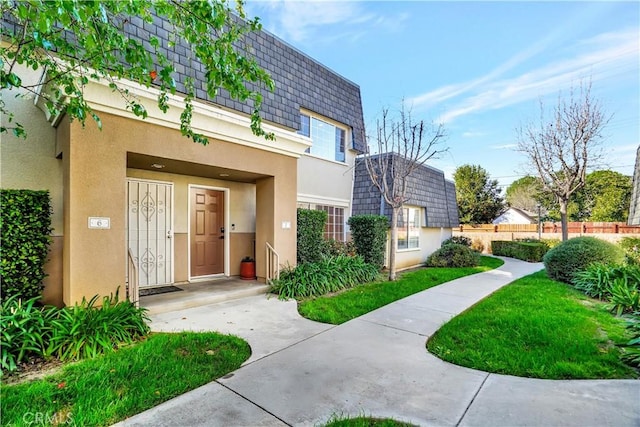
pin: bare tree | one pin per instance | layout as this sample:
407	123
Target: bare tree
561	147
402	146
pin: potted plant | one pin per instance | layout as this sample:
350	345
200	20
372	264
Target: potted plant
248	268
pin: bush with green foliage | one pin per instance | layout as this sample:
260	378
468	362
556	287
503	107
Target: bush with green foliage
369	233
458	240
526	251
334	247
69	333
597	279
551	243
25	330
83	330
453	255
632	348
331	274
631	248
625	296
574	255
25	226
310	235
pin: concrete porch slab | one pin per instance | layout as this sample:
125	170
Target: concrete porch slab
202	293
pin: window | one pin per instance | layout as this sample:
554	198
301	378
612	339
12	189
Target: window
334	228
409	228
328	140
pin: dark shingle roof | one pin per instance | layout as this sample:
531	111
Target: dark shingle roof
426	187
300	81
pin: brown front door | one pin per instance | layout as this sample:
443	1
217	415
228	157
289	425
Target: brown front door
207	232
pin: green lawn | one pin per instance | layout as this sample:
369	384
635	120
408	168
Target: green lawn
536	327
109	388
354	302
363	421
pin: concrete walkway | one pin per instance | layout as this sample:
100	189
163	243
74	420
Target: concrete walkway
302	372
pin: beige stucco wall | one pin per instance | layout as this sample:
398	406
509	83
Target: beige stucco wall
96	174
32	164
430	240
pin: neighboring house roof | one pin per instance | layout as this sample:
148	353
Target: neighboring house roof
515	216
634	208
426	188
300	81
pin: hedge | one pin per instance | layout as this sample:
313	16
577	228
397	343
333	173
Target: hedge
25	227
526	251
369	233
310	235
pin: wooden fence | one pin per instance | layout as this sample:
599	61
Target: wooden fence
554	227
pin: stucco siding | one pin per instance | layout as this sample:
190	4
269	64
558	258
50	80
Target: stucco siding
430	241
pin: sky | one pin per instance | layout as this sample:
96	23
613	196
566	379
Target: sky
482	69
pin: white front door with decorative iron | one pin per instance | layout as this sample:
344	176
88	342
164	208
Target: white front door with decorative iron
150	230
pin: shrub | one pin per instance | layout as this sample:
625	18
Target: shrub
25	226
458	240
632	348
477	245
83	330
453	255
631	248
331	274
25	330
574	255
310	235
596	280
76	332
524	250
369	234
551	243
625	296
334	247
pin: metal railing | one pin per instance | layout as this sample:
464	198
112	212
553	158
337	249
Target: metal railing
273	264
133	287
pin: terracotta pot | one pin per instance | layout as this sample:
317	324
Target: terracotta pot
248	270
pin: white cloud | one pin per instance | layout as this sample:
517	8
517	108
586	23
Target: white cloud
609	60
471	134
321	20
504	147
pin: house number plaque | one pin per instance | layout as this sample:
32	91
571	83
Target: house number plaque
99	222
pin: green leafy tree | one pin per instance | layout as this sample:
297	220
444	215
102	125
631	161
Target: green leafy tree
524	193
77	42
478	196
562	146
606	196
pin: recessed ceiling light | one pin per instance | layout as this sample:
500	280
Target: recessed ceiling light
157	165
224	174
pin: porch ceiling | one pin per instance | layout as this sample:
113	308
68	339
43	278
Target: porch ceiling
145	162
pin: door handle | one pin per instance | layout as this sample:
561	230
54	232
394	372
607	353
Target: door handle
169	234
222	232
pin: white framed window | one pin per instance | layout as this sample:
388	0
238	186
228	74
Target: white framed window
329	140
335	226
409	228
